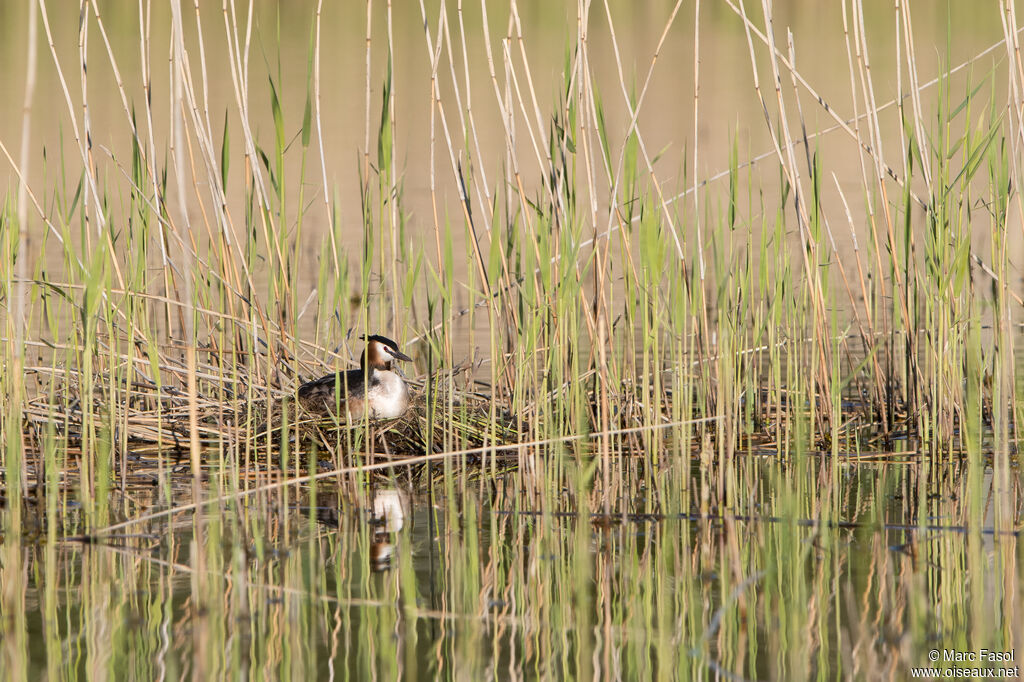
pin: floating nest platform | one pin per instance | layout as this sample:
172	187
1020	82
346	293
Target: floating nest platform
150	431
448	421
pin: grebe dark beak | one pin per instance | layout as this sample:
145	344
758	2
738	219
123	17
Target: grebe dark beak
397	354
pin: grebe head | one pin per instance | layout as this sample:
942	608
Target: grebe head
380	353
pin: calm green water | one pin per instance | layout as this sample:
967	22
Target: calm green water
477	587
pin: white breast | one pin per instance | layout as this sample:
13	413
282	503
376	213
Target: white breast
388	395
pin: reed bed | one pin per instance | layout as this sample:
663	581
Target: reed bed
673	424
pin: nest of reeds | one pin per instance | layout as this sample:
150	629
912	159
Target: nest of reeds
155	423
440	419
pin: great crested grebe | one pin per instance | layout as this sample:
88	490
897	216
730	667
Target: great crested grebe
372	389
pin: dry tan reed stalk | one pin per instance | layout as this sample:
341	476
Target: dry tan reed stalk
238	62
145	28
317	114
633	128
787	161
507	118
468	123
1007	379
823	217
704	330
178	142
90	187
869	331
880	380
118	81
830	110
18	289
31	196
547	161
465	199
605	386
1011	40
274	332
200	114
366	116
915	89
875	132
873	109
213	178
615	173
849	125
389	260
435	96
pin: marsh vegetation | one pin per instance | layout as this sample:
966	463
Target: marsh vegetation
713	309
